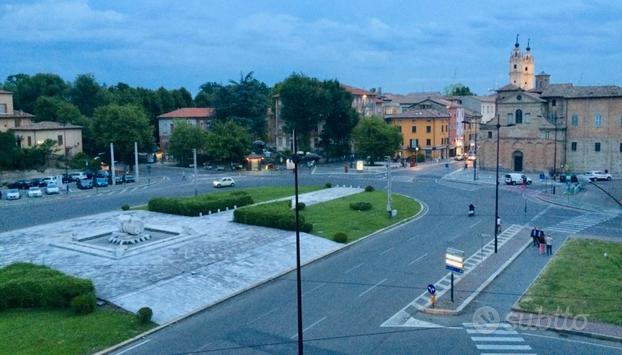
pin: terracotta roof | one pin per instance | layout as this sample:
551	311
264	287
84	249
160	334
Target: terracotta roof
45	125
571	91
356	91
420	113
189	112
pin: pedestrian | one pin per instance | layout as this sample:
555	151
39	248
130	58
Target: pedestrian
549	245
534	236
183	176
541	242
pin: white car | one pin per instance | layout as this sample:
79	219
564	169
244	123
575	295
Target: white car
35	192
597	175
52	188
13	194
224	181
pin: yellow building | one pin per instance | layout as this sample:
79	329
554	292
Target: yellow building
423	130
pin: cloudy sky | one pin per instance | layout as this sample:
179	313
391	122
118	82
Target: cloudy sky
401	46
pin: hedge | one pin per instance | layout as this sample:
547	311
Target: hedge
360	206
84	304
275	215
28	285
193	206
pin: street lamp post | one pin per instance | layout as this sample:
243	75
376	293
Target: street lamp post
475	150
497	185
296	159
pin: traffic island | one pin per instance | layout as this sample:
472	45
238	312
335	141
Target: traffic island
479	271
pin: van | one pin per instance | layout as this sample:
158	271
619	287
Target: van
516	178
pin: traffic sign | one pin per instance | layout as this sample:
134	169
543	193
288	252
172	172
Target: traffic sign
454	260
431	289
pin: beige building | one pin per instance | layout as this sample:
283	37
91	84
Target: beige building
68	137
10	118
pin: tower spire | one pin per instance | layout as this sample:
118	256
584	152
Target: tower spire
516	44
528	48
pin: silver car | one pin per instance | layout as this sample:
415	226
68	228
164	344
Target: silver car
224	181
52	188
35	192
13	194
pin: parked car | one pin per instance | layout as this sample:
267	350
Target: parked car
459	157
84	184
35	192
118	179
52	188
594	175
13	194
67	178
48	179
127	178
34	183
77	175
223	181
514	178
100	181
23	184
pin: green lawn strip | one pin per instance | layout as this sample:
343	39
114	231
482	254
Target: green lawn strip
335	216
580	280
51	331
267	193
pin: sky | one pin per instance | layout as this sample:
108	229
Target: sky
399	46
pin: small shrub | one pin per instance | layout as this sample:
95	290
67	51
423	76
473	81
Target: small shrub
144	315
125	207
328	185
193	206
275	215
340	237
84	304
369	188
360	206
301	206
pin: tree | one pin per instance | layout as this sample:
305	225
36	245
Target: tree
458	89
207	95
9	151
302	106
122	125
26	89
87	94
340	119
186	137
228	141
376	139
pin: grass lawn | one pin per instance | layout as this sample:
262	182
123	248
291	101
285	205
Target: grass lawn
335	216
51	331
267	193
581	279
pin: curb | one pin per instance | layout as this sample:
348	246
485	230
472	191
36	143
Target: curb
479	289
422	212
563	205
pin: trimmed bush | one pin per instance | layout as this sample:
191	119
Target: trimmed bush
360	206
144	315
84	304
28	285
193	206
340	237
125	207
328	185
275	215
301	206
369	188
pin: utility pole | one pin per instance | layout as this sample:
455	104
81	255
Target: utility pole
136	160
112	163
389	201
296	159
194	156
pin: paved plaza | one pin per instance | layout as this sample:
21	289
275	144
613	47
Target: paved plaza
208	259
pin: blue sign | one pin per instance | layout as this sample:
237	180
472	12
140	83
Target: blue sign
431	289
454	269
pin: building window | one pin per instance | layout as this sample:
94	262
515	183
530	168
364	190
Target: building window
553	102
17	122
2	108
489	134
519	116
525	70
60	139
413	129
29	141
620	147
428	142
510	118
575	120
514	66
597	147
620	120
428	129
573	146
598	120
527	117
399	127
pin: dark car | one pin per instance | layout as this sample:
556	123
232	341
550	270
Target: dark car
67	178
118	179
20	184
100	180
127	178
84	184
35	182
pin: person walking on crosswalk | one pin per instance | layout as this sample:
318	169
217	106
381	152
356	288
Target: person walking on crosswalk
541	242
549	245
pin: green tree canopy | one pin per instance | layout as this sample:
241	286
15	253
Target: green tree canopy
27	89
207	95
458	89
122	125
376	139
340	119
87	94
186	137
228	141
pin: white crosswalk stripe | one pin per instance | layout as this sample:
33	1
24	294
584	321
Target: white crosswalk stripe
497	337
579	223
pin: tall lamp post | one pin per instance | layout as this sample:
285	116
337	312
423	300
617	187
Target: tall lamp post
497	185
475	150
555	152
296	158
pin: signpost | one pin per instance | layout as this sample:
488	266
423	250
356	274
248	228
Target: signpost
454	262
432	291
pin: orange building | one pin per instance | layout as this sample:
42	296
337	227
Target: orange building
423	130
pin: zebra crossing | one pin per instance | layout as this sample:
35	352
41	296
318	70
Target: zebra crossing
579	223
120	191
497	338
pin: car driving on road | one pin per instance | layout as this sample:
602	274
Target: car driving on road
223	182
595	175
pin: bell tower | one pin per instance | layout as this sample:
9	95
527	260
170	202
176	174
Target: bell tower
516	59
528	80
522	67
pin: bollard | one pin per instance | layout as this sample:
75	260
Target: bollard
433	300
218	210
200	214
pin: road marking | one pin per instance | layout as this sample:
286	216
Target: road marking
313	289
352	268
573	341
386	251
496	332
508	339
502	347
371	288
309	327
419	258
134	347
263	315
474	224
